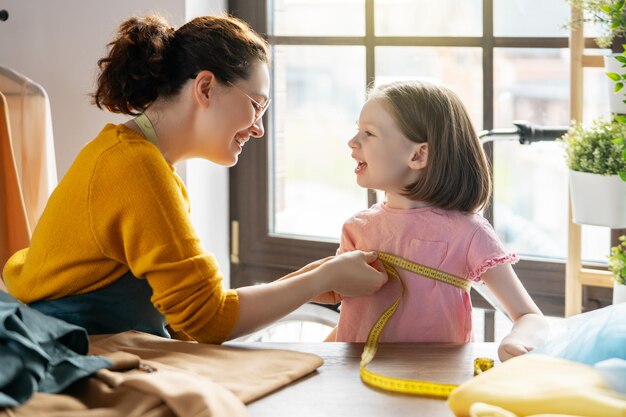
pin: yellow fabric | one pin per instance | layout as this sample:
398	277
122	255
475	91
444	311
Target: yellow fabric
486	410
121	206
536	384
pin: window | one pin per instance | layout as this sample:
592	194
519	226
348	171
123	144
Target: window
507	59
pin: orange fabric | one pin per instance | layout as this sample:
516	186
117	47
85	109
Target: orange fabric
14	229
32	140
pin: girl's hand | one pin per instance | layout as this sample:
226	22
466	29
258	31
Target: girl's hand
528	332
355	274
511	348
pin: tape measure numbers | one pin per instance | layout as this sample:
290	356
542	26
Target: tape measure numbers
409	386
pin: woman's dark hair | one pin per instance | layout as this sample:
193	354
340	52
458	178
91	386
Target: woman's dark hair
458	175
150	59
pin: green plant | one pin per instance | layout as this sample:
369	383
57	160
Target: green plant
609	14
617	261
598	149
619	79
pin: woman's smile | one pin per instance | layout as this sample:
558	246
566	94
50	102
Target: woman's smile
241	140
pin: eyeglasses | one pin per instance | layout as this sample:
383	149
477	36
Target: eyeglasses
259	109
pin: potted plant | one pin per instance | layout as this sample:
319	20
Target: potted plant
597	172
610	16
617	265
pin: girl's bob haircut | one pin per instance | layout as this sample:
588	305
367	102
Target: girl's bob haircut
457	176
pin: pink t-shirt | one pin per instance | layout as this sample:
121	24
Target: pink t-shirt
462	244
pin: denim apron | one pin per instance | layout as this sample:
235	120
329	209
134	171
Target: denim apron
123	305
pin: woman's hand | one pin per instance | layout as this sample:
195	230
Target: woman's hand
348	274
354	274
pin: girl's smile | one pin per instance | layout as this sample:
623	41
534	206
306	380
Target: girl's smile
360	167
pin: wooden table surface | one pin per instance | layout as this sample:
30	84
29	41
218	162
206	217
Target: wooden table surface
335	389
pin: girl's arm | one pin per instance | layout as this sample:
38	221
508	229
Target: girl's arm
529	325
348	274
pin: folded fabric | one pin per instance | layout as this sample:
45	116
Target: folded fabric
537	384
169	378
487	410
588	337
248	373
137	394
39	353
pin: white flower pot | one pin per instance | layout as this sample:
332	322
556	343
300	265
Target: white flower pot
619	293
616	100
599	200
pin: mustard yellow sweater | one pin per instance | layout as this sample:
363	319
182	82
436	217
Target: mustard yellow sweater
121	206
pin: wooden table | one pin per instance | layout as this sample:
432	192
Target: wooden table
335	389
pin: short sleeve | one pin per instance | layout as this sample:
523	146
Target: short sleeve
347	240
486	251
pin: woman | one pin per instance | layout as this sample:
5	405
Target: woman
115	249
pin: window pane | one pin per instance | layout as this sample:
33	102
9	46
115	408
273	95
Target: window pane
530	18
437	65
530	182
318	92
428	18
318	17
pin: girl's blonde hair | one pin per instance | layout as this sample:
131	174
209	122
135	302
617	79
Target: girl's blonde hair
457	176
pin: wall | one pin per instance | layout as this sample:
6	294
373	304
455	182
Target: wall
57	44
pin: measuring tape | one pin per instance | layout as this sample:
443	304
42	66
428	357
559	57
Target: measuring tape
410	386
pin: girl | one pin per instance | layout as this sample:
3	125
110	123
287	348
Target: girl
115	248
416	143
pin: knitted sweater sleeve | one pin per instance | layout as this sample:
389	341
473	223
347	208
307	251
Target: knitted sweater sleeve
139	216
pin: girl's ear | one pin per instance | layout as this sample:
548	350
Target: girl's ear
203	87
419	159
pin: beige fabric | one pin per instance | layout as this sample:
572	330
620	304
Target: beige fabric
159	394
14	230
249	374
32	140
531	385
156	377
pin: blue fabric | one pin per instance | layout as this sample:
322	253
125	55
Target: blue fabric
122	306
589	337
596	338
614	373
39	353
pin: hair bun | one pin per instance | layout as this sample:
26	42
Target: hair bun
148	59
136	63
